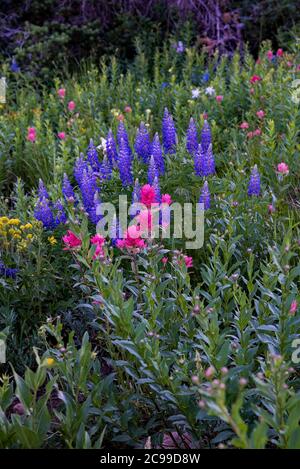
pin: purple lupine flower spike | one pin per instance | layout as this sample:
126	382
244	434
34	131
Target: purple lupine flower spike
111	148
136	198
136	193
211	160
205	136
67	189
125	164
42	191
152	171
88	188
116	232
201	162
205	196
157	190
105	169
61	216
44	214
142	143
254	183
192	137
94	213
122	135
158	154
79	168
168	133
92	156
7	271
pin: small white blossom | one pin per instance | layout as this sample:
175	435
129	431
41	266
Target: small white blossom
102	145
195	93
210	91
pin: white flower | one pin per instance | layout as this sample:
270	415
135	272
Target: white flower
195	93
210	91
102	145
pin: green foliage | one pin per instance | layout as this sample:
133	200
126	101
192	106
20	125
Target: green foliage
134	348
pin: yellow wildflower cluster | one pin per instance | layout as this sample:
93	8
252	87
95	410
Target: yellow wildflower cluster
52	240
14	234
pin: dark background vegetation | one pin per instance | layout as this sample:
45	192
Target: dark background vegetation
41	35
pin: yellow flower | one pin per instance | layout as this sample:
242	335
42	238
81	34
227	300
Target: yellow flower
13	221
3	219
22	245
29	236
17	236
50	361
28	226
52	240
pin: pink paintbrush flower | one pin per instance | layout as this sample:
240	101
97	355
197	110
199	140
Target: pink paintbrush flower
261	114
188	260
244	125
61	93
254	79
71	105
132	239
148	195
283	168
71	240
31	134
166	199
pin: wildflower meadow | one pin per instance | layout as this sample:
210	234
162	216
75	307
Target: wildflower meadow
149	252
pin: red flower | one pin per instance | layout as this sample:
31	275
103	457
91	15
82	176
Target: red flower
71	105
61	93
132	239
98	239
148	195
244	125
283	168
166	199
261	114
255	78
71	241
188	261
31	134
